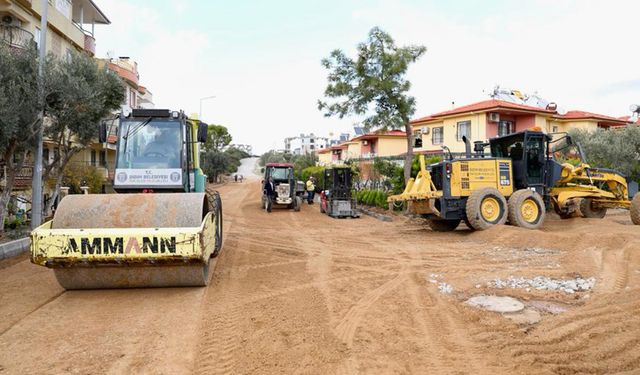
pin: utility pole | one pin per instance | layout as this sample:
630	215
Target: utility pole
201	100
36	183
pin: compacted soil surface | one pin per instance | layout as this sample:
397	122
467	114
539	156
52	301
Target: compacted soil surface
300	292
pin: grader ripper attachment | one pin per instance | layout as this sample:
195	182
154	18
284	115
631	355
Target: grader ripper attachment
518	183
160	231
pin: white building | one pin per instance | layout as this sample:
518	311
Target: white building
304	144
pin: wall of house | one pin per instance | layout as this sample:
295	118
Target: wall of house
565	126
366	148
478	132
354	150
62	34
391	146
324	158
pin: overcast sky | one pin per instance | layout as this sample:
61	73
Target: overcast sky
261	59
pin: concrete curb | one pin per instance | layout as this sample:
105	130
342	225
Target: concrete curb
375	215
14	248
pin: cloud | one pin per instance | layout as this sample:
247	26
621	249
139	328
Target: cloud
263	61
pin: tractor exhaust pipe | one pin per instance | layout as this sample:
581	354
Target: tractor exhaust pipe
467	146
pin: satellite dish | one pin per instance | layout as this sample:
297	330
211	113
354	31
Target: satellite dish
561	111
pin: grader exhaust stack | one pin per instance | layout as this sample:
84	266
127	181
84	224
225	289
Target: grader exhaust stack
160	231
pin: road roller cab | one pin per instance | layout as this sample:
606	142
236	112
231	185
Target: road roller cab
158	150
162	227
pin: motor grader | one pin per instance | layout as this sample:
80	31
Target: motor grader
161	227
517	183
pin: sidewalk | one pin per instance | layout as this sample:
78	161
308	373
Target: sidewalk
13	248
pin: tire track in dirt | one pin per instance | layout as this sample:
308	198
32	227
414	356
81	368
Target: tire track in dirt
346	328
51	299
219	345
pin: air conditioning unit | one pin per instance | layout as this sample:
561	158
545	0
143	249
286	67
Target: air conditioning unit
365	142
494	117
425	130
7	20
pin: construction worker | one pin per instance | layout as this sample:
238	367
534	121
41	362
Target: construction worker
311	189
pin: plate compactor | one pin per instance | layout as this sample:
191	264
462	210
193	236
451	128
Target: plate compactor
336	199
162	227
517	183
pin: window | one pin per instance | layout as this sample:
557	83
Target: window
37	38
103	158
437	135
68	56
312	140
311	147
417	139
45	155
93	158
132	98
155	145
504	128
554	129
464	129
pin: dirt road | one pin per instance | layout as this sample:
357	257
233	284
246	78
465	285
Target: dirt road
304	293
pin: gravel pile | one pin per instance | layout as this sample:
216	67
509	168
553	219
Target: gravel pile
569	286
443	287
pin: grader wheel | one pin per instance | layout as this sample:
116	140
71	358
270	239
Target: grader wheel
635	209
526	209
588	211
441	225
486	207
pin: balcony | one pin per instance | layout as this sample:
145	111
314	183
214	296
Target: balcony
16	37
23	178
90	44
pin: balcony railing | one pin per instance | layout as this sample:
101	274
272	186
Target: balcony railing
23	178
90	44
15	36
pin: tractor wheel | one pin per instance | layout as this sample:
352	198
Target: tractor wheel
587	210
526	209
297	203
442	225
486	207
635	209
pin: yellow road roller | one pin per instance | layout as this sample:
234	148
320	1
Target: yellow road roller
160	229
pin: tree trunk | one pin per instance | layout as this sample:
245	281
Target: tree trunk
59	172
56	193
11	172
408	159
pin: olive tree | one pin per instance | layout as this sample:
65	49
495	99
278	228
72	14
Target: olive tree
19	120
373	85
80	95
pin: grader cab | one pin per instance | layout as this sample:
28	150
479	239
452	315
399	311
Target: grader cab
516	183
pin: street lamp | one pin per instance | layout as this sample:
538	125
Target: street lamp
201	100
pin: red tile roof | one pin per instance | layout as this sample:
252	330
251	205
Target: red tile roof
628	118
390	133
575	115
493	105
484	106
